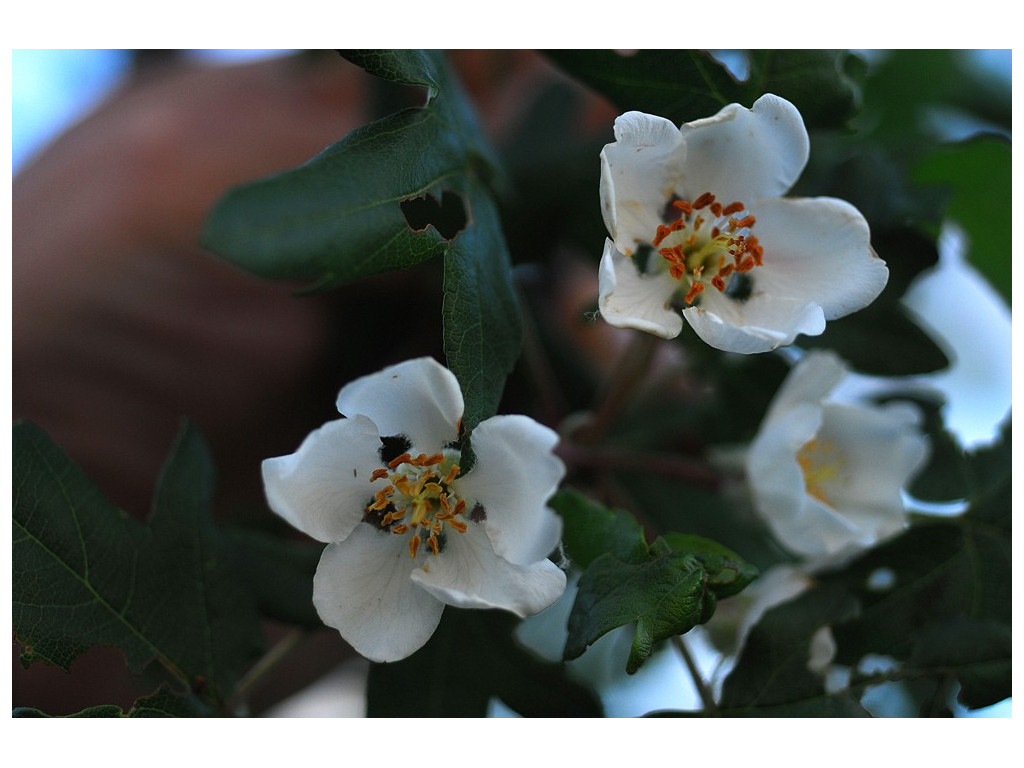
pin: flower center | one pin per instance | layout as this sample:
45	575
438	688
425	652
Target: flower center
707	243
418	500
822	464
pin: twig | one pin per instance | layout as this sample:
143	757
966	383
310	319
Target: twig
691	471
624	380
261	668
706	696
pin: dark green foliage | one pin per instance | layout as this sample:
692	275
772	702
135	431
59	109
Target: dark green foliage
687	85
666	588
86	574
345	215
471	658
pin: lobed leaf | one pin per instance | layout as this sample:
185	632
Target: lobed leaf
665	589
86	574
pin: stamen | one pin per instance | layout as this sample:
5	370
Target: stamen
414	544
452	474
403	459
660	235
683	206
378	474
432	542
694	291
703	201
732	208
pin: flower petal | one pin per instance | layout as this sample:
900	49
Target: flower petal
323	488
881	450
742	154
773	472
468	574
514	476
628	299
363	589
758	324
638	174
419	398
818	249
811	380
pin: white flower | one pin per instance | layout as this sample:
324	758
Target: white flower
697	223
827	475
407	531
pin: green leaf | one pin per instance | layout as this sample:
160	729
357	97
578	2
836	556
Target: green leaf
977	174
86	574
772	668
665	596
728	574
978	654
482	322
471	658
592	530
392	194
687	85
162	703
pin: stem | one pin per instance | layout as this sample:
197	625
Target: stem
620	387
706	696
261	668
668	465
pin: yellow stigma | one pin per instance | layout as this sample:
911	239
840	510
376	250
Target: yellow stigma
420	495
707	237
822	465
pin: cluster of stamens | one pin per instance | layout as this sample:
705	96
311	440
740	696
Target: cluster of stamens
418	499
706	236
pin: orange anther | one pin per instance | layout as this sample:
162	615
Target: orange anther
432	543
400	529
732	208
403	459
414	544
746	221
661	234
460	507
378	474
683	206
716	208
676	225
677	271
458	525
703	201
695	289
715	232
718	282
452	474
